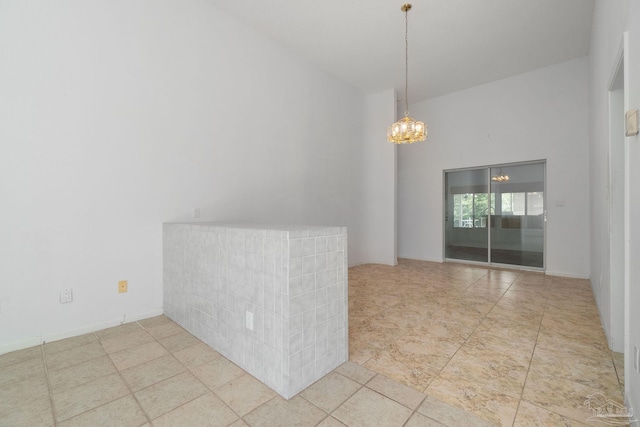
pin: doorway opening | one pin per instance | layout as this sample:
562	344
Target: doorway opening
618	205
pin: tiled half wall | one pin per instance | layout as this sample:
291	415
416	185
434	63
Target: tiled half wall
291	280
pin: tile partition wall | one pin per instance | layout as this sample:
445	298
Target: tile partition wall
291	279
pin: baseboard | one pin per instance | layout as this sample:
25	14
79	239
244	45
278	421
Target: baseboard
515	267
19	345
372	261
439	260
56	336
568	275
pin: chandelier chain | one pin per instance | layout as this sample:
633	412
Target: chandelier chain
406	130
406	62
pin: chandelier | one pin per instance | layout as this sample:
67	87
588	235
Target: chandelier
500	178
406	130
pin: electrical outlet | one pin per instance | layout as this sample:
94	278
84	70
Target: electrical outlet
196	212
249	321
66	295
636	358
122	286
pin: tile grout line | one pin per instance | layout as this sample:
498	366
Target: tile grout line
131	393
187	369
549	309
472	332
389	397
118	372
462	291
360	387
467	339
519	276
413	411
617	371
212	390
46	374
49	382
241	418
569	417
524	384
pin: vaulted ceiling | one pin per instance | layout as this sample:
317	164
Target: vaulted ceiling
453	44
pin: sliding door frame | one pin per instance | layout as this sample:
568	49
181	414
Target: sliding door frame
489	262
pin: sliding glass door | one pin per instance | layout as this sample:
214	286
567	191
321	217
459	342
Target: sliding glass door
467	215
517	230
496	214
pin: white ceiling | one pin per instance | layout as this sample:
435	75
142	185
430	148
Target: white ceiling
453	44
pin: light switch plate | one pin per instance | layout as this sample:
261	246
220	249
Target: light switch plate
66	295
631	123
249	321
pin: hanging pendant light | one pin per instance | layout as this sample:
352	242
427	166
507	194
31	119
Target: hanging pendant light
406	130
500	177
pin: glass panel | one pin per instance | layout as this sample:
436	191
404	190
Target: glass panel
481	210
466	215
517	230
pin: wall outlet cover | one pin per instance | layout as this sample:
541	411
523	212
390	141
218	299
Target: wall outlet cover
123	286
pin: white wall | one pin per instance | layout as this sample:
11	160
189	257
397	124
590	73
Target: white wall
632	379
604	47
117	116
611	19
372	236
538	115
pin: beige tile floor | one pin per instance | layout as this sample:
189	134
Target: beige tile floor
430	345
510	347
